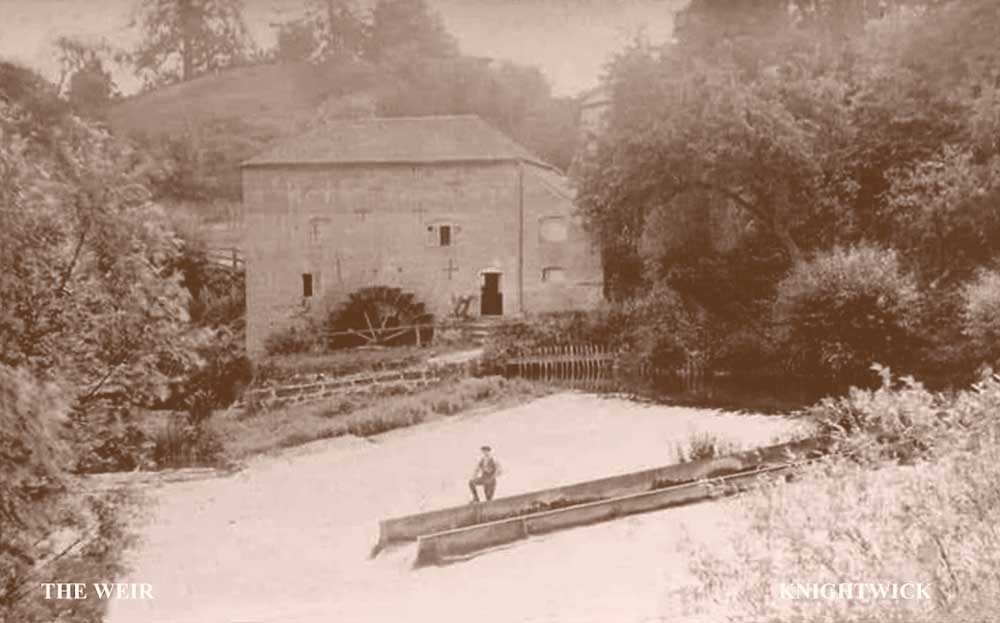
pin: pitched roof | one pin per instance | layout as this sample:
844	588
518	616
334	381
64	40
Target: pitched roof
453	138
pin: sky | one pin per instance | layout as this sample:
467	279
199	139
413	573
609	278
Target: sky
570	40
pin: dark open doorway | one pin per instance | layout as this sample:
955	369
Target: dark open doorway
491	301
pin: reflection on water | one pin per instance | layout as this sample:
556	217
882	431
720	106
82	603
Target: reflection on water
756	394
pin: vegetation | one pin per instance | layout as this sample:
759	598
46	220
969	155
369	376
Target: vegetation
364	415
212	100
754	165
845	309
342	363
98	320
183	39
704	446
926	513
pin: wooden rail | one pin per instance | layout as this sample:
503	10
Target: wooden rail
230	257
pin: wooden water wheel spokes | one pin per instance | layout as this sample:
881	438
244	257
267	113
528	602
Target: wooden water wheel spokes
380	316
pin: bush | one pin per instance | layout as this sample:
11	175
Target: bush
704	446
661	331
221	376
185	443
840	521
981	316
599	327
108	438
32	460
845	310
299	337
658	330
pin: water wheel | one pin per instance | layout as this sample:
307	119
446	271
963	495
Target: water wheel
380	316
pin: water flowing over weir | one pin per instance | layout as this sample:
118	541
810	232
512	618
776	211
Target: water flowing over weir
308	522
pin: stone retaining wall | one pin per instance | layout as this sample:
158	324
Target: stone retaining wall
406	379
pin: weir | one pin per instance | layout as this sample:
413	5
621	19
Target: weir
581	494
457	544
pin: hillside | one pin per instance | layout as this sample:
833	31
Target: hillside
202	129
275	97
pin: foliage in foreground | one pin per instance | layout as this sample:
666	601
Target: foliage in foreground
915	501
32	478
39	519
95	558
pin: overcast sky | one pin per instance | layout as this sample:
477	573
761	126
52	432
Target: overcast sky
570	40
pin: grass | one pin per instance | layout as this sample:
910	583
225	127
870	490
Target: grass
703	446
927	515
365	416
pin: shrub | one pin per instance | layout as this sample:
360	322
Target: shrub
845	310
658	330
662	332
32	460
108	439
221	376
187	442
599	327
299	337
981	316
703	446
840	521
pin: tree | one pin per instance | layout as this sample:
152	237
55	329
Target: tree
89	295
91	89
402	30
183	39
330	30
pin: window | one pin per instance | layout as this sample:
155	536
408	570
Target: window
553	229
307	285
553	274
442	235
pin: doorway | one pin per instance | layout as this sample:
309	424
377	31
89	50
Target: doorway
491	299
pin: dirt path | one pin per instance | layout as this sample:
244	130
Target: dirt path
287	539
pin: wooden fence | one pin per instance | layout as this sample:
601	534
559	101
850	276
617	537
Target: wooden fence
590	361
565	361
230	257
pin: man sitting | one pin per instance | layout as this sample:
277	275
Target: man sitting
485	474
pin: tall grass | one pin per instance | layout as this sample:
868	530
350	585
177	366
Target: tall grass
929	515
702	446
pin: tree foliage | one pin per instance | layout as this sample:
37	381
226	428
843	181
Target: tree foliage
89	294
183	39
764	137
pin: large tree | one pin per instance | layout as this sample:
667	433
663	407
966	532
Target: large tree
402	30
183	39
329	30
90	296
